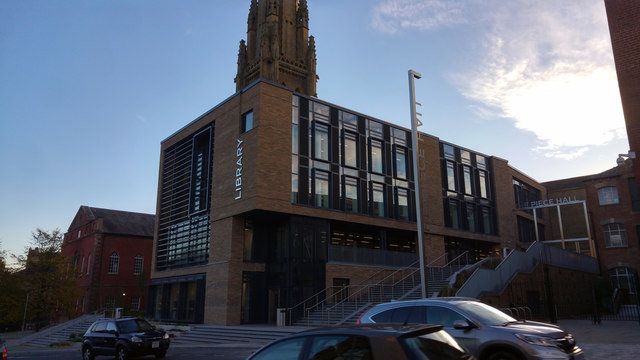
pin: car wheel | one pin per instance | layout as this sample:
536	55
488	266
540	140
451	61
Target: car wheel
161	354
121	353
87	353
503	355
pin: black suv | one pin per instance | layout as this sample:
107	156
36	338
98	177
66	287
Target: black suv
124	338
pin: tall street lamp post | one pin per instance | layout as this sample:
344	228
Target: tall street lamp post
415	122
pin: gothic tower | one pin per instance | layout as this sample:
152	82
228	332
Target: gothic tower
278	46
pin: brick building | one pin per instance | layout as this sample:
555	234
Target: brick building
111	251
624	29
274	195
613	214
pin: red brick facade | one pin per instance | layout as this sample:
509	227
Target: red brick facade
624	28
93	238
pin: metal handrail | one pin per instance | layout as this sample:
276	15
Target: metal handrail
366	292
450	265
308	310
362	294
342	288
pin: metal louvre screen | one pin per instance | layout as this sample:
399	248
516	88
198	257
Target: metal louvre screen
184	227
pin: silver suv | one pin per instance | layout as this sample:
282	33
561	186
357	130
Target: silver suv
488	333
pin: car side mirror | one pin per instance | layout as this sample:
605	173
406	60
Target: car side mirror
462	325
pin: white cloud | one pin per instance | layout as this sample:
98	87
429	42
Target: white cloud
547	65
392	15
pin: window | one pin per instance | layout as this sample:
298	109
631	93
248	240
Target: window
248	241
615	235
451	176
608	195
349	120
482	175
377	199
137	264
376	129
635	197
339	347
401	163
135	302
376	162
321	141
449	152
114	260
454	214
295	142
109	302
442	316
89	265
82	266
321	189
402	201
351	203
471	217
287	349
486	220
111	326
294	188
200	171
623	278
481	162
402	315
100	327
527	230
184	232
465	157
247	121
350	154
468	188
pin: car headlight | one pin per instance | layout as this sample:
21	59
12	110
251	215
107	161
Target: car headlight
136	339
537	340
165	336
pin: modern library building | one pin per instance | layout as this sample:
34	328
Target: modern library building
274	195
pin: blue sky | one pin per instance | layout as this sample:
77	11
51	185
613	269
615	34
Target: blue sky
89	89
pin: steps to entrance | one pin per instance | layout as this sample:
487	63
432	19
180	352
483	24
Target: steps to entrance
59	333
213	334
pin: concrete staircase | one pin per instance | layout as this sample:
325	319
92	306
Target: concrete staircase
214	334
348	312
58	333
334	314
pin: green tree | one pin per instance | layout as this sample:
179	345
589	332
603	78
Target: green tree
13	295
48	277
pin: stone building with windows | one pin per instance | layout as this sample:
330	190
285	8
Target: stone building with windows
274	194
111	251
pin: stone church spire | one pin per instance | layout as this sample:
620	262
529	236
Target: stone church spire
278	46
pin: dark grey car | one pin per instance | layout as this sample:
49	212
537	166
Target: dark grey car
124	338
487	332
366	342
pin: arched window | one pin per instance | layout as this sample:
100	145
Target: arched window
138	261
114	261
615	235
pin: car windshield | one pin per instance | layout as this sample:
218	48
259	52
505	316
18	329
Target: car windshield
488	315
436	345
134	325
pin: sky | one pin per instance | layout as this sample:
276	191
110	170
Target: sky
89	89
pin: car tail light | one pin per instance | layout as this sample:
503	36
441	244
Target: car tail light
4	354
361	315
